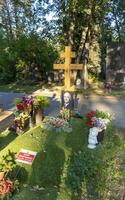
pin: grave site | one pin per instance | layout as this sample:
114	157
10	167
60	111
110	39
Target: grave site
67	155
62	100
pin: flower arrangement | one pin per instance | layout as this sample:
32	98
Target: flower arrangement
98	119
23	113
29	112
65	114
25	104
7	165
21	121
7	187
56	124
41	101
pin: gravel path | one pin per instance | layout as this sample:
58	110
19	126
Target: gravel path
113	105
7	99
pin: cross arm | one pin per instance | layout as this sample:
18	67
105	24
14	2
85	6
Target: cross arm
59	66
76	66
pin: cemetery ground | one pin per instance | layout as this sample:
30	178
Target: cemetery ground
95	88
27	87
64	168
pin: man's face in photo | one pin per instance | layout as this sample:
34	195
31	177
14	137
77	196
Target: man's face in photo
67	98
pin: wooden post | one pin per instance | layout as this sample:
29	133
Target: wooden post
67	67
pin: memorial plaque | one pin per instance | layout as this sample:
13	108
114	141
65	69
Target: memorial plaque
26	156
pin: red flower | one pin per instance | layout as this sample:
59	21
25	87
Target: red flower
88	116
90	124
20	107
93	113
6	186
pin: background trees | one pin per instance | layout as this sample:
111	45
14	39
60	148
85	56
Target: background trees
32	31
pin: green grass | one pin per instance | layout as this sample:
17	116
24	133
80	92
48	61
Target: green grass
58	167
5	138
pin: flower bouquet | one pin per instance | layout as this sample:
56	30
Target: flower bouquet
7	188
97	119
65	114
56	124
25	104
100	120
21	121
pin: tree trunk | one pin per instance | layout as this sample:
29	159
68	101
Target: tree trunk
83	39
85	71
83	55
72	24
9	18
15	8
83	51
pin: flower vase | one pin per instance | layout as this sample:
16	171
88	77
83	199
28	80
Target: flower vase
26	123
100	136
32	120
38	116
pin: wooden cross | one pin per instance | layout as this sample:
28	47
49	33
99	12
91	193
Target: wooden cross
67	66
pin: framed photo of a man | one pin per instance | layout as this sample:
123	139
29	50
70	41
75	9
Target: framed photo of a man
67	100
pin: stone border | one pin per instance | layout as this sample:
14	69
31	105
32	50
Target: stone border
6	120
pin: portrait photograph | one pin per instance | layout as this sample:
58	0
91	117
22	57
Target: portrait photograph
67	100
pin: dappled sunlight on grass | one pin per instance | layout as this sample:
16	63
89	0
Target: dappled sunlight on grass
59	154
6	137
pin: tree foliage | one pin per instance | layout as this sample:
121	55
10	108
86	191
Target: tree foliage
31	31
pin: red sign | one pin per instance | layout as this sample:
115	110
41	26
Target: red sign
26	156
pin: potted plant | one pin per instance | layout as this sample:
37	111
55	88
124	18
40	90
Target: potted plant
7	164
40	102
65	114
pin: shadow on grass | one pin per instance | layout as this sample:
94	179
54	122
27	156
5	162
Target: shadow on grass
92	173
5	139
18	173
47	167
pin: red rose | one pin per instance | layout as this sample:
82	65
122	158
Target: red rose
93	113
20	107
90	124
